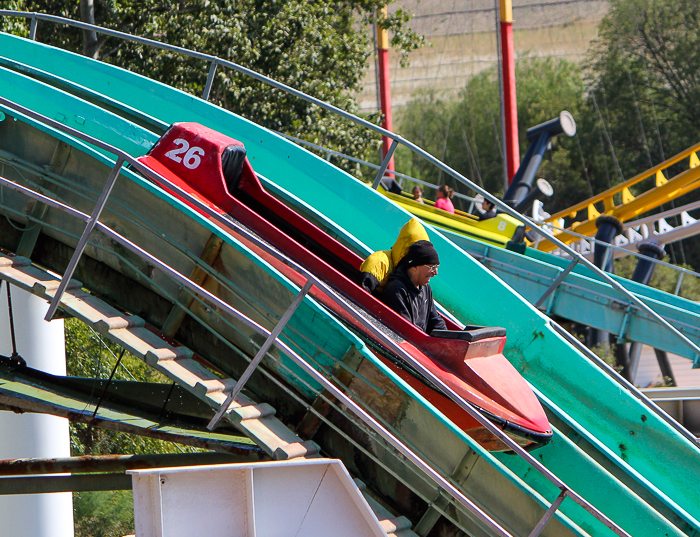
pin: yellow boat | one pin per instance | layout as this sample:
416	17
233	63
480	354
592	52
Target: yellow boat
497	231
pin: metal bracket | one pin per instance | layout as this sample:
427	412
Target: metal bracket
210	81
385	164
82	243
32	28
625	321
259	356
549	514
563	274
678	285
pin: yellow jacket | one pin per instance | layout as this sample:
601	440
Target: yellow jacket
380	264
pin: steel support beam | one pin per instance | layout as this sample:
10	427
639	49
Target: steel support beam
112	463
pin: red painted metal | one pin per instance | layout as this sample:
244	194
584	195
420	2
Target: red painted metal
477	371
385	100
510	102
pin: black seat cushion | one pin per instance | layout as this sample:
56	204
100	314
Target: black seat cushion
390	185
470	333
232	164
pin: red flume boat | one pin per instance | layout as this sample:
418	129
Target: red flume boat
213	168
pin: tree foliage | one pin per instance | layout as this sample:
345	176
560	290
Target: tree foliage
644	91
635	100
107	513
317	47
104	513
465	132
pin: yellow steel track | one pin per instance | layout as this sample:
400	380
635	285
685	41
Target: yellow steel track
630	207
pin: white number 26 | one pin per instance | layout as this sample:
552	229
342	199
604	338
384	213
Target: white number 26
192	157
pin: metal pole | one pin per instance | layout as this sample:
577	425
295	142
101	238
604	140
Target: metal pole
210	81
678	285
549	514
64	483
504	150
510	103
32	28
111	463
385	163
385	87
82	243
261	353
563	274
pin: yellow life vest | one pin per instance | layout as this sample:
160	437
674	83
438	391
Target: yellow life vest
381	263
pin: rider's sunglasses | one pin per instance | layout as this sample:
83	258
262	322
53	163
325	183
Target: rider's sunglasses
432	268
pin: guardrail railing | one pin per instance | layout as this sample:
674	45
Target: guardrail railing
622	252
400	177
396	140
92	224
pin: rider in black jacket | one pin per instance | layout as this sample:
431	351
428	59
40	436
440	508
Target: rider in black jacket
408	292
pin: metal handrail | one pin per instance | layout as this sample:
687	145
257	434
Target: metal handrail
331	152
379	130
387	341
217	302
627	252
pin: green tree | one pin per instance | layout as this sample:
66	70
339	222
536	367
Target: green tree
104	513
465	132
664	278
644	92
318	47
107	513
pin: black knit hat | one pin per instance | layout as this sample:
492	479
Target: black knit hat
421	253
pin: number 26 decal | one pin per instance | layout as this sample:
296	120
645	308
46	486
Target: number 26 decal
192	157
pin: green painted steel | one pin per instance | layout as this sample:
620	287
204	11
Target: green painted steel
584	298
311	331
593	402
637	288
580	303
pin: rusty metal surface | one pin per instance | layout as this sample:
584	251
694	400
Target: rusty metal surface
86	480
112	463
27	390
67	483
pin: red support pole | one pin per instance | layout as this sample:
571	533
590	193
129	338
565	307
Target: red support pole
510	102
385	89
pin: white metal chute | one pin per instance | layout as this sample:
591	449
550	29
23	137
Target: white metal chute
310	497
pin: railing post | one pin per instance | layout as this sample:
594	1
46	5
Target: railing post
549	514
564	273
678	285
82	243
259	356
210	81
385	164
32	28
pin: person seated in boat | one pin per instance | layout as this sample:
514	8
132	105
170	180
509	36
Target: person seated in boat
418	194
444	199
408	292
375	270
488	210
